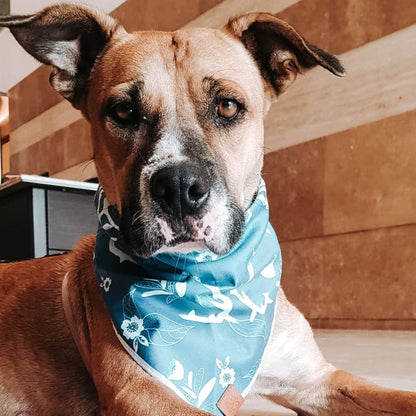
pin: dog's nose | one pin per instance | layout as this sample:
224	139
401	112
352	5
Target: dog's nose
181	189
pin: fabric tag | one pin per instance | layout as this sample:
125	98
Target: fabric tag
230	401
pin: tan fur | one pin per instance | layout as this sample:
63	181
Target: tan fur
43	372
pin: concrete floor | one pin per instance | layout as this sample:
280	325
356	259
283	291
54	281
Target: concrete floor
385	357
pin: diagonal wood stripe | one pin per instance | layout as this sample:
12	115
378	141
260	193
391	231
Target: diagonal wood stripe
381	82
160	14
55	118
35	85
337	26
61	149
218	16
80	172
374	89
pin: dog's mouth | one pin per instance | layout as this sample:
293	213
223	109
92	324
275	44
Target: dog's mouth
189	230
218	230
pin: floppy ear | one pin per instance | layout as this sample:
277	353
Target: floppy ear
67	37
280	52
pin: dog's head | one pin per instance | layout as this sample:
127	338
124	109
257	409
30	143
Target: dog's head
176	118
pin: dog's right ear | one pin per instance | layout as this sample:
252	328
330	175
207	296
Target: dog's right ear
69	38
280	52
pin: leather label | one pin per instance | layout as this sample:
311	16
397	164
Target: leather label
230	401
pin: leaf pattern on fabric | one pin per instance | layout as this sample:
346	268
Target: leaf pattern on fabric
176	370
253	370
153	328
269	271
250	329
153	287
196	390
163	331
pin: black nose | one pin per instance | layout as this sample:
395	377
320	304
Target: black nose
181	189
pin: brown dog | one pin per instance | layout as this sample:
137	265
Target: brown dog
195	100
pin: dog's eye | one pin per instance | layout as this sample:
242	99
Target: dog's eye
228	108
123	112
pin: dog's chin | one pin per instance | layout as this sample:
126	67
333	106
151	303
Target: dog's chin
215	231
152	248
158	242
183	248
188	245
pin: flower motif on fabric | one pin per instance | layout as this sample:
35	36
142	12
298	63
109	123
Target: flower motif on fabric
105	283
194	386
132	329
227	374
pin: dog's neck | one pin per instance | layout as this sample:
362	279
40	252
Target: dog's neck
198	313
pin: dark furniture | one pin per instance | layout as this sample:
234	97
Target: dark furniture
44	216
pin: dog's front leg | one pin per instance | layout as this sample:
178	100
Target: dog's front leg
294	374
123	388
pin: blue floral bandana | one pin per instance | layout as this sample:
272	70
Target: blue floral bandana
198	322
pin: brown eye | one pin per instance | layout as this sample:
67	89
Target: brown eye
228	109
123	113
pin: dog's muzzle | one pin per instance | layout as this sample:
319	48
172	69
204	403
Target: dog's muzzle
182	189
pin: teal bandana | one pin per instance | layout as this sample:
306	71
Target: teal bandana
198	322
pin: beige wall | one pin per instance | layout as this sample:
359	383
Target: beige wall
344	203
340	168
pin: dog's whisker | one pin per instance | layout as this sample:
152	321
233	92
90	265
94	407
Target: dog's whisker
135	218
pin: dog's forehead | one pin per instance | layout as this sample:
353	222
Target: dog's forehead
158	58
210	50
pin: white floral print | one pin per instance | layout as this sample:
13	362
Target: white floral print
105	283
227	377
176	371
133	328
227	374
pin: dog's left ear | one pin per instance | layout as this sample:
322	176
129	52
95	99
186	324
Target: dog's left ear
280	52
67	37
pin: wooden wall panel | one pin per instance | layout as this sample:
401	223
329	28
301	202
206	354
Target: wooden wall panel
66	147
160	14
5	157
370	176
218	16
31	97
343	25
364	279
82	171
360	179
56	118
295	181
319	104
339	164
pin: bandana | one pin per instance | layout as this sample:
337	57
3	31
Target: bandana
198	322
